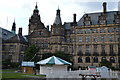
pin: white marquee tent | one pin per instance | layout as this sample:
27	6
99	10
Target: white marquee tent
53	65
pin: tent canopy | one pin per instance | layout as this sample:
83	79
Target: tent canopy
30	64
54	60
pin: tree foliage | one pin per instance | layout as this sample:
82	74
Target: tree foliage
60	54
106	63
30	53
7	64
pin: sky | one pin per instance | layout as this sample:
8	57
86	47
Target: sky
21	11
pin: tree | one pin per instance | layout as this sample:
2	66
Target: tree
106	63
30	53
46	55
60	54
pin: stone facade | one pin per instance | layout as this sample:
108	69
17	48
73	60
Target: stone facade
13	45
90	40
95	37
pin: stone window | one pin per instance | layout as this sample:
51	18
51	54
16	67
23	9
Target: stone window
80	60
103	58
102	30
94	30
87	60
95	39
68	40
45	45
118	59
111	38
95	59
110	29
3	47
119	50
102	19
80	31
39	32
87	20
88	39
102	38
103	53
87	31
111	49
87	52
95	51
80	39
118	38
117	29
12	47
80	53
112	60
117	18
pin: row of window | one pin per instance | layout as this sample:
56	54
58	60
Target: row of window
95	59
95	53
41	45
98	39
102	19
102	30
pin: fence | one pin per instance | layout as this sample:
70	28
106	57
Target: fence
87	73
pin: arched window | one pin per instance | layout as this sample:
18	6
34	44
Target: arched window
80	53
112	59
80	60
119	60
87	59
103	58
95	60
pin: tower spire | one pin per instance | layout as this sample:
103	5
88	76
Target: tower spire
36	11
14	19
58	6
58	18
36	6
13	30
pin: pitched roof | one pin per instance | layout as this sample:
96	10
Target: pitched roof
58	18
17	39
53	60
95	17
6	34
67	25
30	64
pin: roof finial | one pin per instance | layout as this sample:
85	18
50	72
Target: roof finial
58	6
14	19
36	5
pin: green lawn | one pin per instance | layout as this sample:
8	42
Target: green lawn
8	70
11	74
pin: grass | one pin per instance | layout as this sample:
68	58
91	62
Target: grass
11	74
8	70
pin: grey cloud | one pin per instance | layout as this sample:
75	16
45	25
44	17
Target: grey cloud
26	6
96	6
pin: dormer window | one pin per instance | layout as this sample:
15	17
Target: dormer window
117	18
39	32
102	19
87	20
5	34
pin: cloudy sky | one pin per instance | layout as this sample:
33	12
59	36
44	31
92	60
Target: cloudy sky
21	10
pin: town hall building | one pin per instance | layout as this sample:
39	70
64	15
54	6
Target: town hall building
95	37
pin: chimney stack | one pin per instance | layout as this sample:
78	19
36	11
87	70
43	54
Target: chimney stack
104	7
20	31
48	27
74	18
